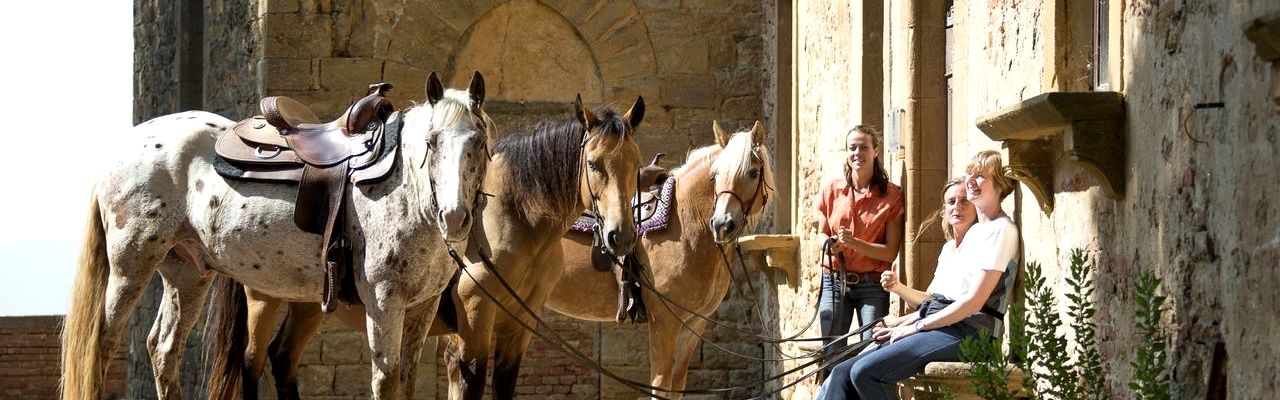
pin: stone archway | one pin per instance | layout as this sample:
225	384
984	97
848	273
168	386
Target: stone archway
536	57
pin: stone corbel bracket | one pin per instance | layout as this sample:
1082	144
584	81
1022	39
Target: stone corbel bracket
773	251
1089	127
1265	34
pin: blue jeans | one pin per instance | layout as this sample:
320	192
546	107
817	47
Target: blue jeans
873	374
867	299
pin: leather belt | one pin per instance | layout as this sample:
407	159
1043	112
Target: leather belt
854	278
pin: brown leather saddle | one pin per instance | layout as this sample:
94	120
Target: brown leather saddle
288	144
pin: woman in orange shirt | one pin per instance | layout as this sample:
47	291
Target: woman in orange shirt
861	228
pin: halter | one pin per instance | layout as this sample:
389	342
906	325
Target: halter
747	205
431	183
597	237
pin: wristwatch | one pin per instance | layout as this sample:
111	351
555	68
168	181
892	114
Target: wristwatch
919	325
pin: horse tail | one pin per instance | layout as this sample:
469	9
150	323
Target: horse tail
226	336
82	358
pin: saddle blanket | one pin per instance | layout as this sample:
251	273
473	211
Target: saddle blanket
654	212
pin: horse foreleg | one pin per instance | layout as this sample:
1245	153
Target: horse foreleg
180	308
386	331
512	341
415	332
300	325
261	313
466	374
686	343
664	329
467	354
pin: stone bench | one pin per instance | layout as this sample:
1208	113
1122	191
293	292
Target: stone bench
953	377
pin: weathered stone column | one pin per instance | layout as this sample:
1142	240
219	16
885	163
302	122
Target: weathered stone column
924	131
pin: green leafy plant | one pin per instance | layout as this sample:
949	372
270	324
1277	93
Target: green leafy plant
1036	346
1150	373
989	368
1081	313
1049	363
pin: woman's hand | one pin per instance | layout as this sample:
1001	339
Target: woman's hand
889	280
844	238
899	332
882	335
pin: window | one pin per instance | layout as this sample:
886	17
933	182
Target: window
1101	38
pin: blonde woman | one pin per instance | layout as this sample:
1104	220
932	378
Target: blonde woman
966	297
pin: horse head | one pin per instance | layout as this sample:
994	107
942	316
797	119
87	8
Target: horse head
742	173
610	163
457	153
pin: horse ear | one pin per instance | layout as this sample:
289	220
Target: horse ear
477	89
584	114
757	134
636	113
435	91
722	137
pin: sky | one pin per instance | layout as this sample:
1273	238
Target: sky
65	89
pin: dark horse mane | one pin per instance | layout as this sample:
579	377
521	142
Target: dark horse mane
546	162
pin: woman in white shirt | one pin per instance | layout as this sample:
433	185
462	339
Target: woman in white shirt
965	299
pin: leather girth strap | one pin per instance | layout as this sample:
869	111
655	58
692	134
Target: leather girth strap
630	302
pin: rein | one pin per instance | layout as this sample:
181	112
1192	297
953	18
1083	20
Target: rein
553	337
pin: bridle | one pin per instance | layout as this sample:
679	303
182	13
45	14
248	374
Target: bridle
597	232
748	205
431	183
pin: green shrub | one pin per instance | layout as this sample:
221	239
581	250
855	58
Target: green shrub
1150	373
1038	348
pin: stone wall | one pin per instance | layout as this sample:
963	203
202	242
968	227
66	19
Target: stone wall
1196	208
29	351
692	61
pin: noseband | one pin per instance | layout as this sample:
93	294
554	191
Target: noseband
746	205
597	233
431	183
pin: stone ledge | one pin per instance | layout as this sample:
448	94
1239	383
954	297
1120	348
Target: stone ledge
1089	125
954	378
773	251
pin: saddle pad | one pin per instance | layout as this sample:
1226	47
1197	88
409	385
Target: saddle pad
654	214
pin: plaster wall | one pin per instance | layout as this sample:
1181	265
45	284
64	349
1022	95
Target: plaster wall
1197	208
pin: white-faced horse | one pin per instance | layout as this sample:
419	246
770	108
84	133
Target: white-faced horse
719	192
162	206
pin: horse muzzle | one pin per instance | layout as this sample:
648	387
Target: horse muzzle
455	224
620	241
724	228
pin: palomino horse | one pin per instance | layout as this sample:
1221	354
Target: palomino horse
537	191
162	206
719	192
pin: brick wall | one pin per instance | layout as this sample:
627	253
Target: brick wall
29	360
